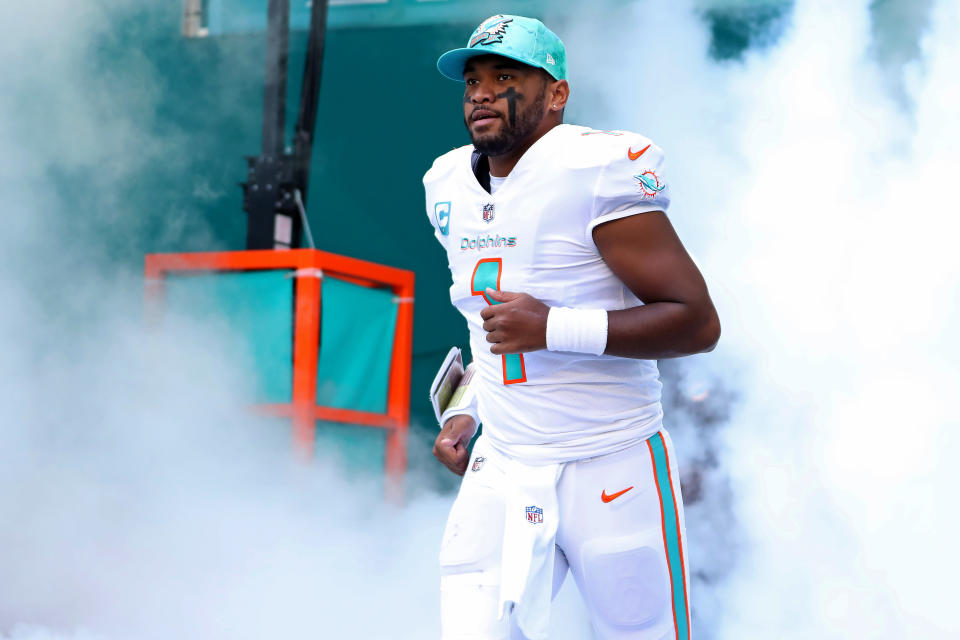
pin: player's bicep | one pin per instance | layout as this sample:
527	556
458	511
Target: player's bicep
646	254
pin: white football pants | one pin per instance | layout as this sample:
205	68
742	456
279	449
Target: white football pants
620	533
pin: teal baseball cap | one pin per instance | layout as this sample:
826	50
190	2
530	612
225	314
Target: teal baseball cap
526	40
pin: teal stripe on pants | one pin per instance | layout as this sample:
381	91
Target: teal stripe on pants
671	529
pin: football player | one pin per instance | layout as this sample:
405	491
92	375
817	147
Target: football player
573	283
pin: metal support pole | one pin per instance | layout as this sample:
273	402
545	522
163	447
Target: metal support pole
275	78
275	192
193	19
310	93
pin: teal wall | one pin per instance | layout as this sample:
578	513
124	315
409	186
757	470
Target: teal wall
384	115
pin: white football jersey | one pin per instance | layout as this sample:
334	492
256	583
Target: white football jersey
536	236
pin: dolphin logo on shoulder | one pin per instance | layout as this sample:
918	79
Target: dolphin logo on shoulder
648	183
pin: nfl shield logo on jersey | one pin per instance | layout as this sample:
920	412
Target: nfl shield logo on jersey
478	462
534	515
488	212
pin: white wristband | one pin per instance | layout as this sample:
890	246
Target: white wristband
577	330
466	411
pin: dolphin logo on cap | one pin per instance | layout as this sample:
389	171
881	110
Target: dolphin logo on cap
491	31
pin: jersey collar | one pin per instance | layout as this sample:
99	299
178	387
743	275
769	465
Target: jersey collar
480	167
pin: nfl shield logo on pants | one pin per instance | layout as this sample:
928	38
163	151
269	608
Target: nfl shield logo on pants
488	212
534	515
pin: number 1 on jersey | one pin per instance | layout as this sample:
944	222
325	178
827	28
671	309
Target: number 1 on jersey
487	274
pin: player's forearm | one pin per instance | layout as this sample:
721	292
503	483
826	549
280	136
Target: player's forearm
662	330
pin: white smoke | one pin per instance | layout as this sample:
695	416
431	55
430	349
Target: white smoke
820	207
139	497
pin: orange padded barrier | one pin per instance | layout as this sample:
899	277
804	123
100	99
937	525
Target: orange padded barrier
311	266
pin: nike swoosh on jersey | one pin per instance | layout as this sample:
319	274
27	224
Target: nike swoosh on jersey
634	155
613	496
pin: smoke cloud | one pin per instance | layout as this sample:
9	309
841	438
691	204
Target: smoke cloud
812	182
140	499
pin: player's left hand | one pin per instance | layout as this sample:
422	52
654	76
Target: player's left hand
517	325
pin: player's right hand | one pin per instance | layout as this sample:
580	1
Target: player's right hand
450	447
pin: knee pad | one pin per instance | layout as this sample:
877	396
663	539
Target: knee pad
473	538
470	558
626	580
